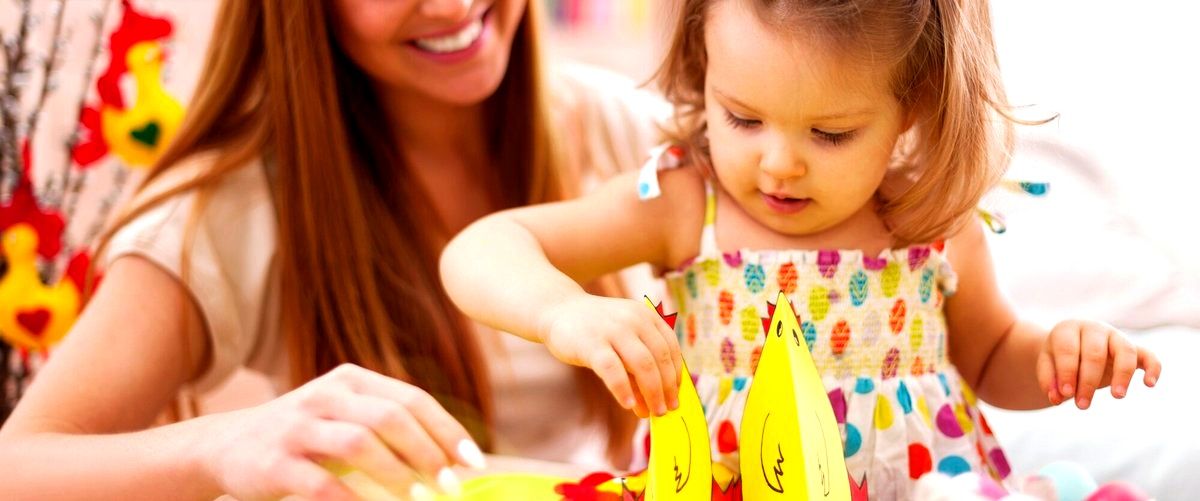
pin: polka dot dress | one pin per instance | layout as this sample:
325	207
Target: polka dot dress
877	333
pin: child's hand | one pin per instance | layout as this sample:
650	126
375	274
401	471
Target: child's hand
625	342
1080	356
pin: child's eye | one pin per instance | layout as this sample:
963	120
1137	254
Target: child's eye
741	123
834	138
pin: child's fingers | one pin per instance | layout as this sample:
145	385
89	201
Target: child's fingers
1045	375
641	364
653	338
1064	348
672	341
1124	356
639	408
304	478
1150	364
606	364
1093	360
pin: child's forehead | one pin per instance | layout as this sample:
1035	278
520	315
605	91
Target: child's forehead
758	65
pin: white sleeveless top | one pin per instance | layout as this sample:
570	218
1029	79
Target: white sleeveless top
233	275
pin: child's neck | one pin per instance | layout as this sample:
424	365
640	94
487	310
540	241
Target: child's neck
864	230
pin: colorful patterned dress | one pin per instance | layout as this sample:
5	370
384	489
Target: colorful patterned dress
877	333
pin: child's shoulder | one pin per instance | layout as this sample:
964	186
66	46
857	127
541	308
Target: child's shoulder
668	173
674	191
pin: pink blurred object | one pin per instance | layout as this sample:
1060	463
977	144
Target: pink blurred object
1039	487
1118	491
988	488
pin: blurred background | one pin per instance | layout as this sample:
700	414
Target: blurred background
1115	239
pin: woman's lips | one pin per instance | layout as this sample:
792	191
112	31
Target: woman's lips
458	45
784	204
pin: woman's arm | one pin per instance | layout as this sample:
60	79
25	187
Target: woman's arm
519	271
138	342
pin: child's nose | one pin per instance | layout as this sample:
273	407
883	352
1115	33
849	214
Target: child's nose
782	160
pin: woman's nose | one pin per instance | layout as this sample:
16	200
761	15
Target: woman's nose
446	9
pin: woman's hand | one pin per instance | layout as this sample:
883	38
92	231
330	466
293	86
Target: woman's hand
1080	357
393	432
625	342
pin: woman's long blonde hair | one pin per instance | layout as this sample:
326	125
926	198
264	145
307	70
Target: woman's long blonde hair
356	238
944	68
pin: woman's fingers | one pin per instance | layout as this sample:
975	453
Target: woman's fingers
451	439
358	447
399	430
302	477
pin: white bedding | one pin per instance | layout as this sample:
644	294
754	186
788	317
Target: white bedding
1150	438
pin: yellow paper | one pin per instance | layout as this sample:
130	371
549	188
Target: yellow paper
508	486
493	487
680	466
790	445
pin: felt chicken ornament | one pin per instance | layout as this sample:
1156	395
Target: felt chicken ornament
33	316
136	133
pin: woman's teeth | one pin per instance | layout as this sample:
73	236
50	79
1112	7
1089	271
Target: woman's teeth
453	42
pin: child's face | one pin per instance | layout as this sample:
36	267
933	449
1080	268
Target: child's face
800	138
450	51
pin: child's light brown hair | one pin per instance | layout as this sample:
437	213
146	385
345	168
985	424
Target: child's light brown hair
944	69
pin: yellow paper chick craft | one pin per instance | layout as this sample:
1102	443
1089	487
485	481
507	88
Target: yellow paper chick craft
680	466
790	446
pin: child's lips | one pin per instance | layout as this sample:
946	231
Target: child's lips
784	204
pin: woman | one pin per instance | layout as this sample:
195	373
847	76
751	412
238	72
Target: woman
293	227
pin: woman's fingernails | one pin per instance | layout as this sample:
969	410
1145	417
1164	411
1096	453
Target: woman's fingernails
418	492
1084	403
1152	381
448	482
470	454
1119	391
1067	390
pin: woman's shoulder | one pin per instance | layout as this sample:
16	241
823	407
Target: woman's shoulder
607	121
219	217
219	242
578	84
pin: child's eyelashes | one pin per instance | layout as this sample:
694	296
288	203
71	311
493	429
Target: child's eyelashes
833	138
741	123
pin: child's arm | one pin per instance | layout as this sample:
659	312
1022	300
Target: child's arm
520	270
75	434
1015	364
